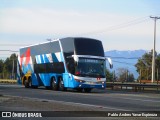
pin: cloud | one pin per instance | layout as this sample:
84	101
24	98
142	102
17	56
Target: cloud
50	21
43	21
115	30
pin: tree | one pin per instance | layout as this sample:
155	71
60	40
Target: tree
124	75
5	73
109	76
10	62
6	67
158	67
1	66
144	66
130	78
121	74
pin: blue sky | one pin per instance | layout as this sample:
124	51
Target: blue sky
119	24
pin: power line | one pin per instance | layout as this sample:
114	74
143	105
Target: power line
13	44
124	63
9	51
120	26
123	57
6	54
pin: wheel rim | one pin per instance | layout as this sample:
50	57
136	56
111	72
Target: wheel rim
30	84
26	83
61	85
53	84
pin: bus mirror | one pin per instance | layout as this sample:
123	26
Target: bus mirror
75	57
110	62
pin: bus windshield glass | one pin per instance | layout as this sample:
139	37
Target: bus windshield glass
90	67
88	47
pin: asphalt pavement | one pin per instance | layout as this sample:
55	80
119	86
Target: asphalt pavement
97	100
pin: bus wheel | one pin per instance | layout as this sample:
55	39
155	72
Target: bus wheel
26	84
30	83
54	84
61	85
87	90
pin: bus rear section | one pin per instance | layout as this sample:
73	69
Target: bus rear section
77	63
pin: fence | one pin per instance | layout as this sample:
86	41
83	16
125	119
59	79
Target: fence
135	86
143	83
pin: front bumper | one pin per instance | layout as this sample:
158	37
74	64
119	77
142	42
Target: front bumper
92	85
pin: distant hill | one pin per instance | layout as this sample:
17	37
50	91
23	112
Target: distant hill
125	59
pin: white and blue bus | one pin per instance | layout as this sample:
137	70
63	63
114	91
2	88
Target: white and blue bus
77	63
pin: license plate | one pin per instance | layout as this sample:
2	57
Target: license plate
90	83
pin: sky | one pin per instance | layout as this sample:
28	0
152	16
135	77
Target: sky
119	24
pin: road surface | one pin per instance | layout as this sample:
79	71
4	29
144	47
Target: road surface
97	100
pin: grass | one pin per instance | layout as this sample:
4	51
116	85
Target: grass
8	81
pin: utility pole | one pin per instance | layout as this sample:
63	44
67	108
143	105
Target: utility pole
154	47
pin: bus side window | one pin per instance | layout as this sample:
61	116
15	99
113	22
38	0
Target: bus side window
71	65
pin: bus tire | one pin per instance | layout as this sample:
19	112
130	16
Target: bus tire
30	82
61	85
87	90
54	85
26	84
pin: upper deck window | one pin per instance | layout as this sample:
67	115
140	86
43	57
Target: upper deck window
85	46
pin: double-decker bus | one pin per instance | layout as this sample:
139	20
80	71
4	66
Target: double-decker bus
77	63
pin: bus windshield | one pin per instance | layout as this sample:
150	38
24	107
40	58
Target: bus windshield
90	67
